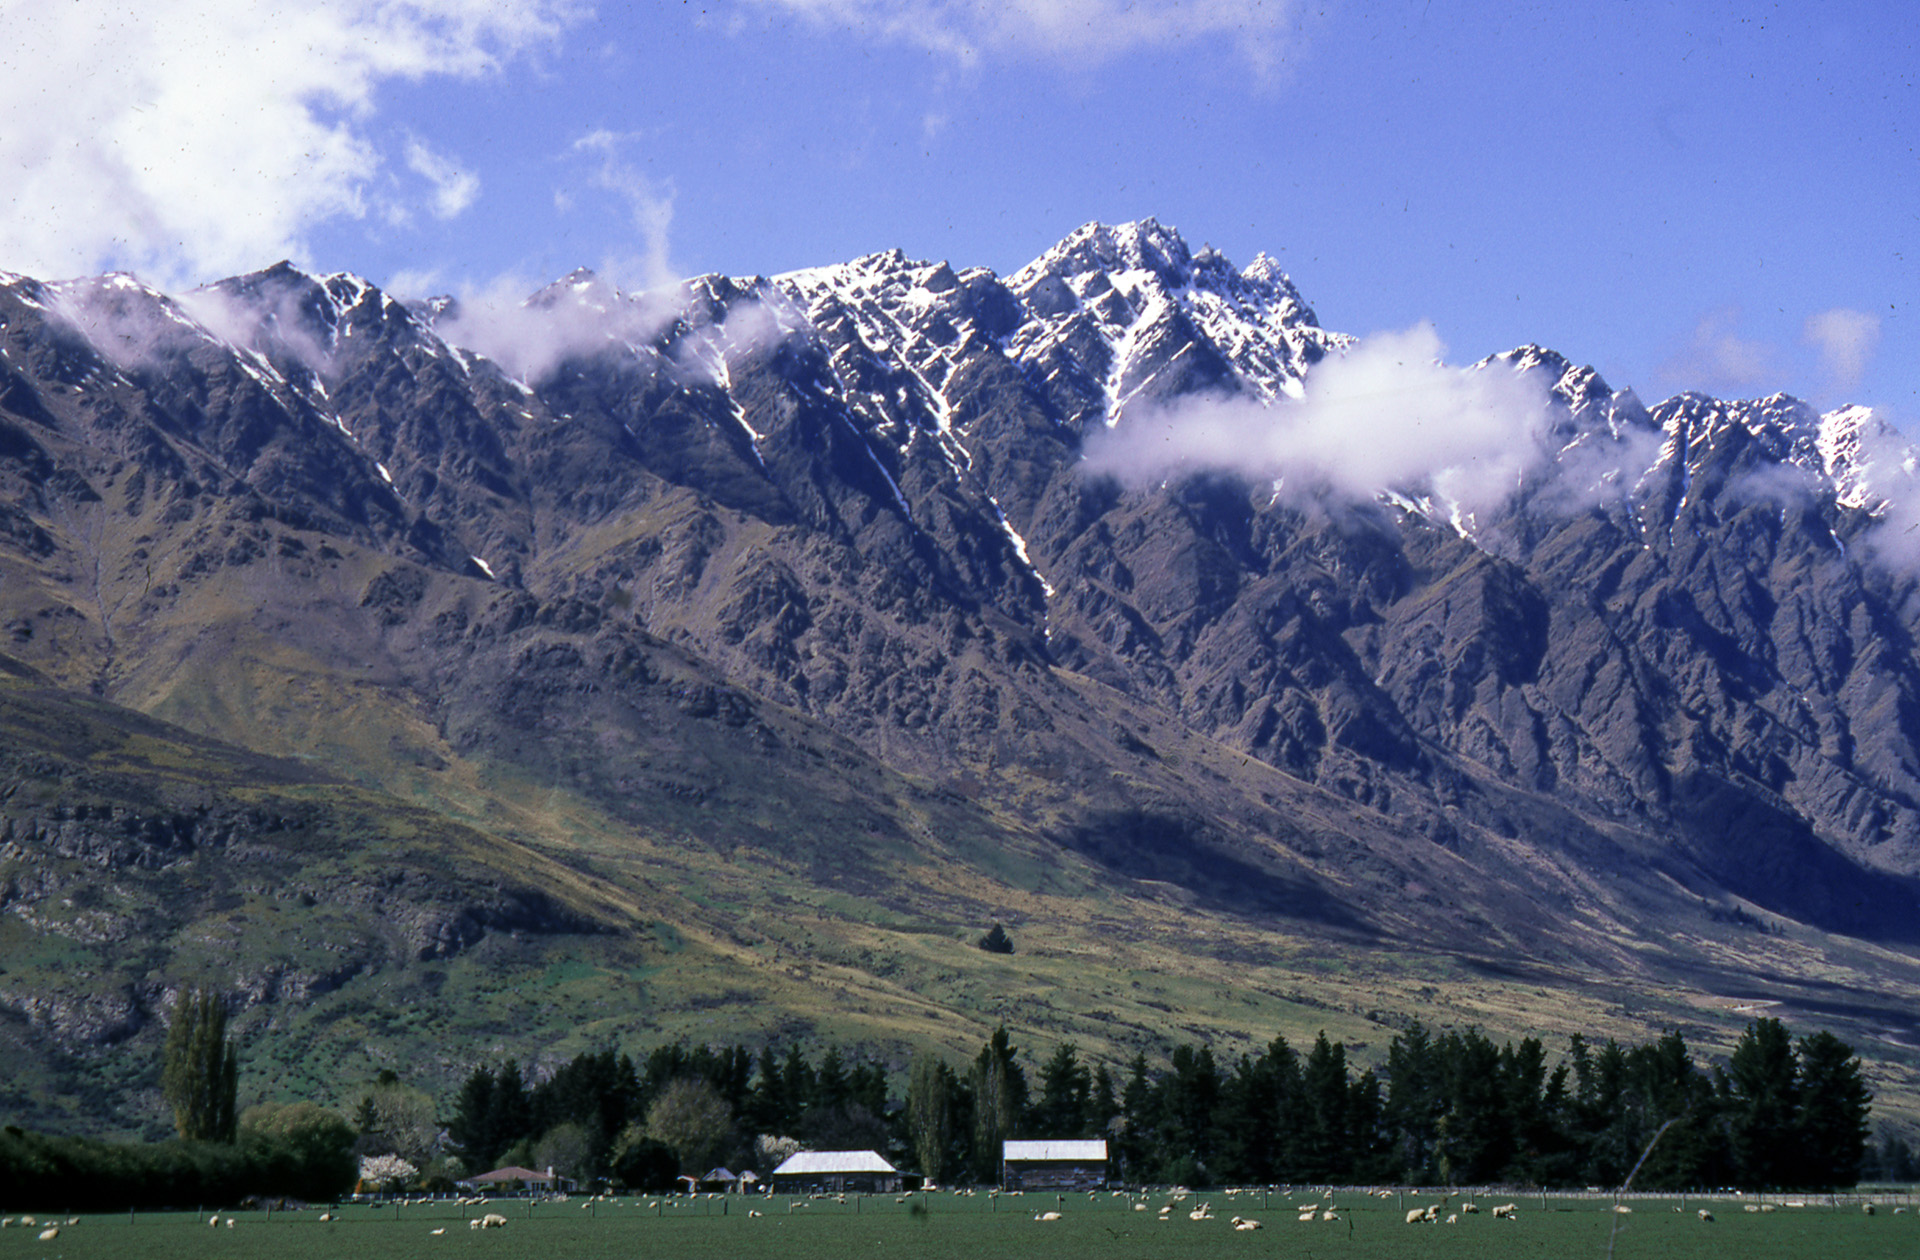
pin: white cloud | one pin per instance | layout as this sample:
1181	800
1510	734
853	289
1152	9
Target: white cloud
193	138
1386	415
453	188
1846	340
648	204
1716	359
1075	30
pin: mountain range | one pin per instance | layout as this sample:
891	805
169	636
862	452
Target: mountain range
450	680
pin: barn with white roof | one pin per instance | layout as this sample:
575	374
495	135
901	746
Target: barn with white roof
835	1172
1055	1164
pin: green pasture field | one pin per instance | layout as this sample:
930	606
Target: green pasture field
951	1227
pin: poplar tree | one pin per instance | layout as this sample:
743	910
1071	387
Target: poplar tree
999	1100
201	1074
930	1114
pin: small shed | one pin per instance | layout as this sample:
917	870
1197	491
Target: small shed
1073	1164
721	1180
836	1172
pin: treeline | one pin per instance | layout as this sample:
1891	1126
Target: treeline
1452	1108
298	1151
681	1108
1445	1108
1457	1109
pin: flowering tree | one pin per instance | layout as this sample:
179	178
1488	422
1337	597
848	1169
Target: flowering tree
386	1172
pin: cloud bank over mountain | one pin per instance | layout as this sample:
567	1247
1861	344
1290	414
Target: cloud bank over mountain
1388	414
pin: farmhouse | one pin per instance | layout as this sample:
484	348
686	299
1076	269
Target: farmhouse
513	1176
1054	1165
835	1172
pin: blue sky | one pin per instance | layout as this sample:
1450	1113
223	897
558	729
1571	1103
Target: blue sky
1687	195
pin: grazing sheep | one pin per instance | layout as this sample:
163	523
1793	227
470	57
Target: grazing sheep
213	1221
754	1213
492	1220
1414	1216
1305	1216
1201	1213
1773	1207
1704	1215
1506	1212
50	1233
229	1222
1244	1226
1453	1218
1753	1207
326	1216
1047	1216
1867	1208
29	1222
1139	1207
1623	1209
1470	1208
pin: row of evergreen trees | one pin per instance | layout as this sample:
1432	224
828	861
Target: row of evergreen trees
1447	1108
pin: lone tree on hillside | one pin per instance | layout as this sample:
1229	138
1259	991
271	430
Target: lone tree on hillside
997	941
201	1074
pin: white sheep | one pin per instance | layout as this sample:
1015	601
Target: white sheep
1623	1209
50	1233
1453	1218
492	1220
437	1232
1704	1215
213	1222
1245	1225
1506	1212
1470	1208
1867	1209
1414	1216
1047	1216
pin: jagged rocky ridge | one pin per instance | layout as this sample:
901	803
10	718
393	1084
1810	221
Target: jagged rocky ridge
637	543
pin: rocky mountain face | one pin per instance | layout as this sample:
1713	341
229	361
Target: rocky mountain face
772	563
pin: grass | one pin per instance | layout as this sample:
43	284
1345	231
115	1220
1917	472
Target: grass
978	1228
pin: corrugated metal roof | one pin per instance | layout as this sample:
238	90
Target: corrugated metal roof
1086	1149
804	1163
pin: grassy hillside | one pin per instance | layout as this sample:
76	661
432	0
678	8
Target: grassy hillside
477	914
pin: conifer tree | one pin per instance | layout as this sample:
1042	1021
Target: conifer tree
1830	1131
201	1072
1761	1092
